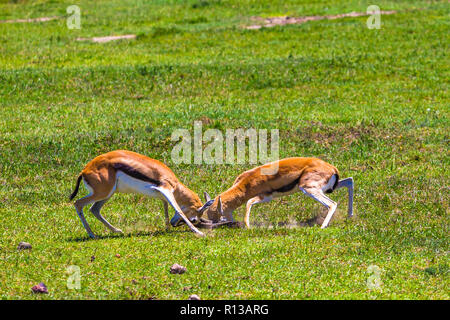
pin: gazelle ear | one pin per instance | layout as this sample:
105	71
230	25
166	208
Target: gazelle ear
219	206
207	197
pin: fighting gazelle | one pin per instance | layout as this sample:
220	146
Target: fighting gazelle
312	176
129	172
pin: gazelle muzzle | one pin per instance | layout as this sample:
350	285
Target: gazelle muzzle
177	220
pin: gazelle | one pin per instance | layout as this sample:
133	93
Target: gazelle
312	176
129	172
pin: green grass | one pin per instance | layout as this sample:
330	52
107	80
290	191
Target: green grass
374	103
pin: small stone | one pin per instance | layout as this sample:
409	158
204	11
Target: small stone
194	297
24	246
177	269
40	288
117	255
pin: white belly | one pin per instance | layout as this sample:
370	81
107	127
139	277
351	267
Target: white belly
127	184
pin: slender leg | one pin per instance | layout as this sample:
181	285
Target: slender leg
250	203
92	183
95	209
348	183
171	200
79	205
228	216
319	196
166	214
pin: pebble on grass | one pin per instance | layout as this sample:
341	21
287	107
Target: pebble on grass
194	297
177	269
24	246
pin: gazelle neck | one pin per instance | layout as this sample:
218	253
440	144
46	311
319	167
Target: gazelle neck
233	198
186	197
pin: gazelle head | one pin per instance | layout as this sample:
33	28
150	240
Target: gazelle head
213	208
192	209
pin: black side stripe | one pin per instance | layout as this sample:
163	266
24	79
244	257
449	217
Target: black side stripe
288	187
134	173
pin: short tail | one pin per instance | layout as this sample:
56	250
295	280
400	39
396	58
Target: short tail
74	193
335	184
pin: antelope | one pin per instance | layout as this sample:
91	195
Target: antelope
129	172
312	176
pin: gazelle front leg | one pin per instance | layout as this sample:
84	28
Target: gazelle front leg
348	183
250	203
171	200
166	214
319	196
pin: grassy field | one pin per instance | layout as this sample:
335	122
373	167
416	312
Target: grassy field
373	102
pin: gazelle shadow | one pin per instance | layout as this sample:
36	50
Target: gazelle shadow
127	235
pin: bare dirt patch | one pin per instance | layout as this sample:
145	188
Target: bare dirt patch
280	21
42	19
327	135
108	38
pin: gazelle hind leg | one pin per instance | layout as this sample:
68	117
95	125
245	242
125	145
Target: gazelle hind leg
96	194
319	196
79	205
250	203
348	183
95	209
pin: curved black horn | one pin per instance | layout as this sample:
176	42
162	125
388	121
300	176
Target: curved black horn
205	206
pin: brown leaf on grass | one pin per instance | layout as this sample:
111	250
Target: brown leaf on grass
40	288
